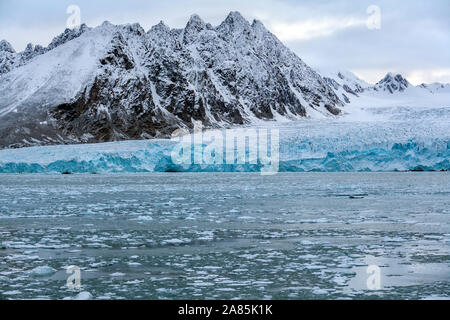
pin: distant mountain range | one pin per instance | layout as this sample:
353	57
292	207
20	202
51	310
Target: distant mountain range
119	82
349	88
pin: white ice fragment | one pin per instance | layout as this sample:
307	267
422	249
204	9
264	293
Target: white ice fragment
83	296
42	271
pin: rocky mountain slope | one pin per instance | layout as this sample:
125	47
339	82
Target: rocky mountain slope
10	60
114	83
345	84
436	87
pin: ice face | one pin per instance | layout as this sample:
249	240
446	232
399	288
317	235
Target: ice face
394	139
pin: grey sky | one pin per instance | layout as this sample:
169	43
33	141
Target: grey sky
414	38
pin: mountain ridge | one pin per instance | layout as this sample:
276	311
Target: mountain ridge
119	82
351	89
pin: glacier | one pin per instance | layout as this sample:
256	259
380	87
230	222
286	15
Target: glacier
385	139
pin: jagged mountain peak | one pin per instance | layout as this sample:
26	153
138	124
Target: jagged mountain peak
15	60
194	26
393	76
396	77
393	83
5	46
345	83
258	26
67	35
134	28
161	27
106	23
195	19
30	52
235	17
234	22
349	88
8	57
29	47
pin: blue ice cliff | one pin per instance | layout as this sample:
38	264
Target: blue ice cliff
410	140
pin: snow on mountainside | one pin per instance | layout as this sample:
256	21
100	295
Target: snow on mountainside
346	85
10	60
392	91
7	57
436	87
119	82
392	83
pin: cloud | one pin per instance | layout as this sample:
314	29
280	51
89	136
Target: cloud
417	77
314	28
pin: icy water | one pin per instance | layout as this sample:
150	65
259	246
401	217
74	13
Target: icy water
226	236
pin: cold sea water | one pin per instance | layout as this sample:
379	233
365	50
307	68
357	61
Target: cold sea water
226	236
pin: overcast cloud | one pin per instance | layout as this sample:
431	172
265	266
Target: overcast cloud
414	38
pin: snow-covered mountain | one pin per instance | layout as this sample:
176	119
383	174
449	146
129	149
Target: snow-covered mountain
392	83
10	60
346	85
119	82
436	87
392	91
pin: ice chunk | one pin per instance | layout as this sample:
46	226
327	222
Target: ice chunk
42	271
83	296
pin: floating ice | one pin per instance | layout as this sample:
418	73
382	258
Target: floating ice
42	271
83	296
394	139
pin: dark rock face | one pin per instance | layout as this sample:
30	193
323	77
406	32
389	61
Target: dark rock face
7	57
145	85
357	87
346	85
5	46
392	83
67	35
332	83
